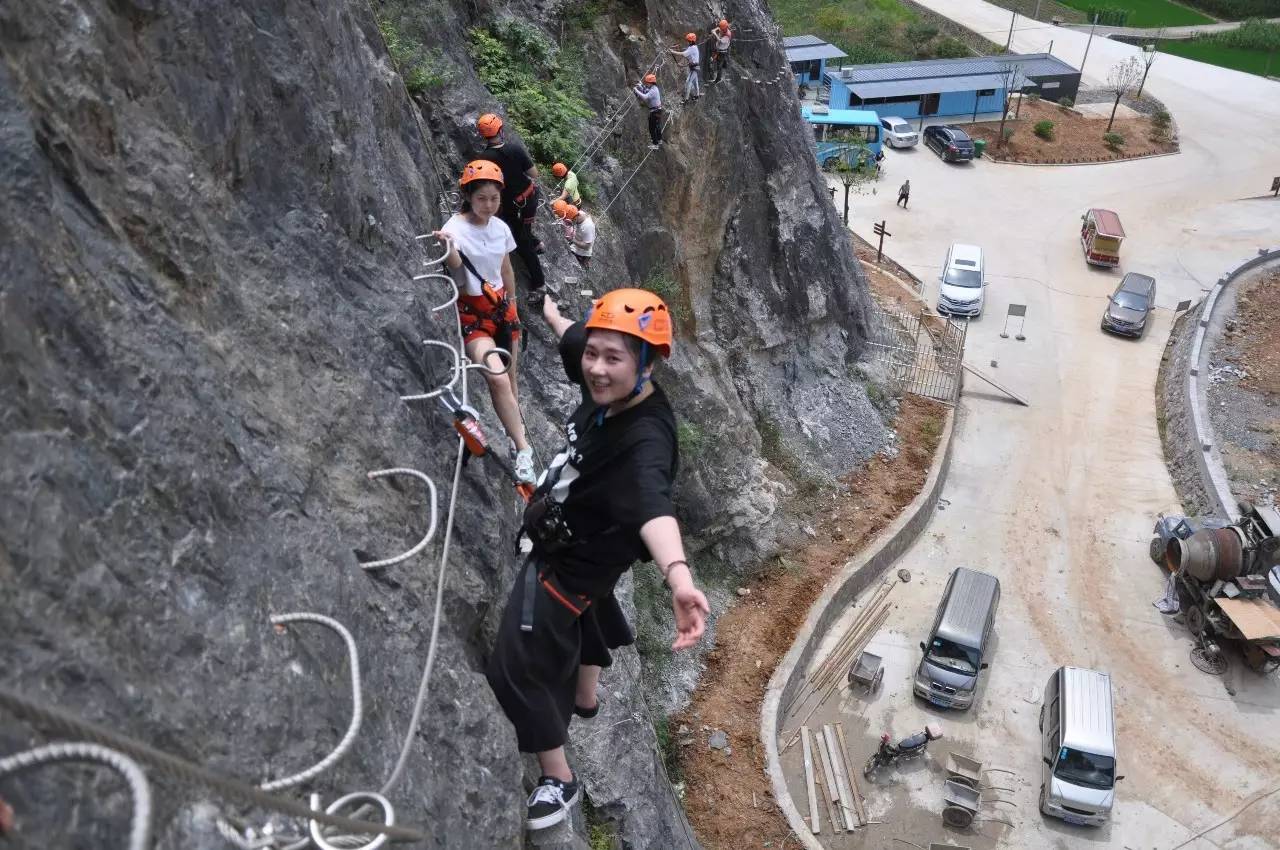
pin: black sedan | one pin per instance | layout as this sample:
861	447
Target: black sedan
950	143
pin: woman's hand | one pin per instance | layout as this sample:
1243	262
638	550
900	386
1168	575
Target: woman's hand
691	610
446	239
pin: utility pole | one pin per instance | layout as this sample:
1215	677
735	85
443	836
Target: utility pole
1037	14
1009	40
1088	43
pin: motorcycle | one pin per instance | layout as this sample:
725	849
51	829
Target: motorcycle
908	747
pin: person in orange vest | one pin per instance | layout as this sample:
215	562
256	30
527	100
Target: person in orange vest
721	38
693	58
603	504
479	261
520	194
651	96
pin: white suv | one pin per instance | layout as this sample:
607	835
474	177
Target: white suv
963	282
898	133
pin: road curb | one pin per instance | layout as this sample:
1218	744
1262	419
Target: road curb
840	591
1213	472
1077	164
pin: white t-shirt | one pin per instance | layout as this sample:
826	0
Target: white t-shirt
722	39
583	231
692	55
484	246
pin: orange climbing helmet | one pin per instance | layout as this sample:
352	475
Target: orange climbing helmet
650	79
690	37
635	312
570	212
558	207
724	25
559	169
481	169
488	125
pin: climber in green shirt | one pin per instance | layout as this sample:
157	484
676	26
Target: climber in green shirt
569	188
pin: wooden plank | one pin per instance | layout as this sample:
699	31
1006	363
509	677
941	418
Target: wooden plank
837	767
858	802
815	823
1257	619
828	784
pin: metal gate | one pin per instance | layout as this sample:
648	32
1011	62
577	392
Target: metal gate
924	352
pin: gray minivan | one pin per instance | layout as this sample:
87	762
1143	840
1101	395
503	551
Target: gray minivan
955	651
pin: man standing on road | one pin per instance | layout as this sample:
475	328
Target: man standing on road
904	193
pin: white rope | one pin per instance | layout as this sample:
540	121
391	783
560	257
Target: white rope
357	703
140	828
426	538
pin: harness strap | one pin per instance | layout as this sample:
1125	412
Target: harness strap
530	589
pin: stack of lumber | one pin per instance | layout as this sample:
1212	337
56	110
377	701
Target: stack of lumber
828	778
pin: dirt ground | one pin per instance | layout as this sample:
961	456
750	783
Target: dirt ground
1077	138
1244	390
728	797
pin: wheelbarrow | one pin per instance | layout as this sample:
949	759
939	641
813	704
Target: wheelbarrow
964	770
959	804
866	672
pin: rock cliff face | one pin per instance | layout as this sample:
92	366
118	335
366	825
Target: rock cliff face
206	317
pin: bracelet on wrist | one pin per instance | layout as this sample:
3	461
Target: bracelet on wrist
666	571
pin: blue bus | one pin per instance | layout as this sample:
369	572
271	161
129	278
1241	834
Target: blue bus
842	135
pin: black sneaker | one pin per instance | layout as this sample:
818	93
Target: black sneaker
550	801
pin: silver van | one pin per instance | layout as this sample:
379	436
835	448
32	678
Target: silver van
1078	747
957	644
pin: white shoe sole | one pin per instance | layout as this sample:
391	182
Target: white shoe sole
533	824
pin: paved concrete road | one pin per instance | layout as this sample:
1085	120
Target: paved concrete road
1058	499
1156	32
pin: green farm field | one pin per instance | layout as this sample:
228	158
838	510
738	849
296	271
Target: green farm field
1147	13
1239	59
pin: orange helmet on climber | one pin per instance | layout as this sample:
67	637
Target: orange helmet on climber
650	79
489	125
635	312
559	169
724	25
690	37
481	169
570	212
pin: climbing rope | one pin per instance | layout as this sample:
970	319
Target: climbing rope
56	721
140	828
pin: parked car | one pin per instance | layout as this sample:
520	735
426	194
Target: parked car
959	641
963	281
1130	305
1078	747
898	133
950	143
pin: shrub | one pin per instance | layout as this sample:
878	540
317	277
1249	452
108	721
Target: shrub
1115	141
919	32
540	86
1161	118
421	69
1044	129
1066	102
664	285
951	48
1032	97
1008	133
691	439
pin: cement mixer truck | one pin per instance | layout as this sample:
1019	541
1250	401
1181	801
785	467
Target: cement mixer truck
1227	576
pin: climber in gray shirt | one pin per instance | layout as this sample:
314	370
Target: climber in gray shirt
649	94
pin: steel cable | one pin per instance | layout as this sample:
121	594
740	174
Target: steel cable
140	828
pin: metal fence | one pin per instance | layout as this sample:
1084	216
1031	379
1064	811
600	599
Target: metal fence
924	352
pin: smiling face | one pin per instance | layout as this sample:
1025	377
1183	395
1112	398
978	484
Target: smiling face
485	200
609	364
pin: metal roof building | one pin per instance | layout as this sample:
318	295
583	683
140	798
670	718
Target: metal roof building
808	56
949	86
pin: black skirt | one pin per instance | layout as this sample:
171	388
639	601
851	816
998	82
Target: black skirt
534	674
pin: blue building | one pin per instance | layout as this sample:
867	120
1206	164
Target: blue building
808	56
948	87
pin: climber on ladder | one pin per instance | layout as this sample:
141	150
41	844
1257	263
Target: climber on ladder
569	188
693	58
519	195
604	503
580	234
479	260
651	96
721	38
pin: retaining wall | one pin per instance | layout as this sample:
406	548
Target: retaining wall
839	594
